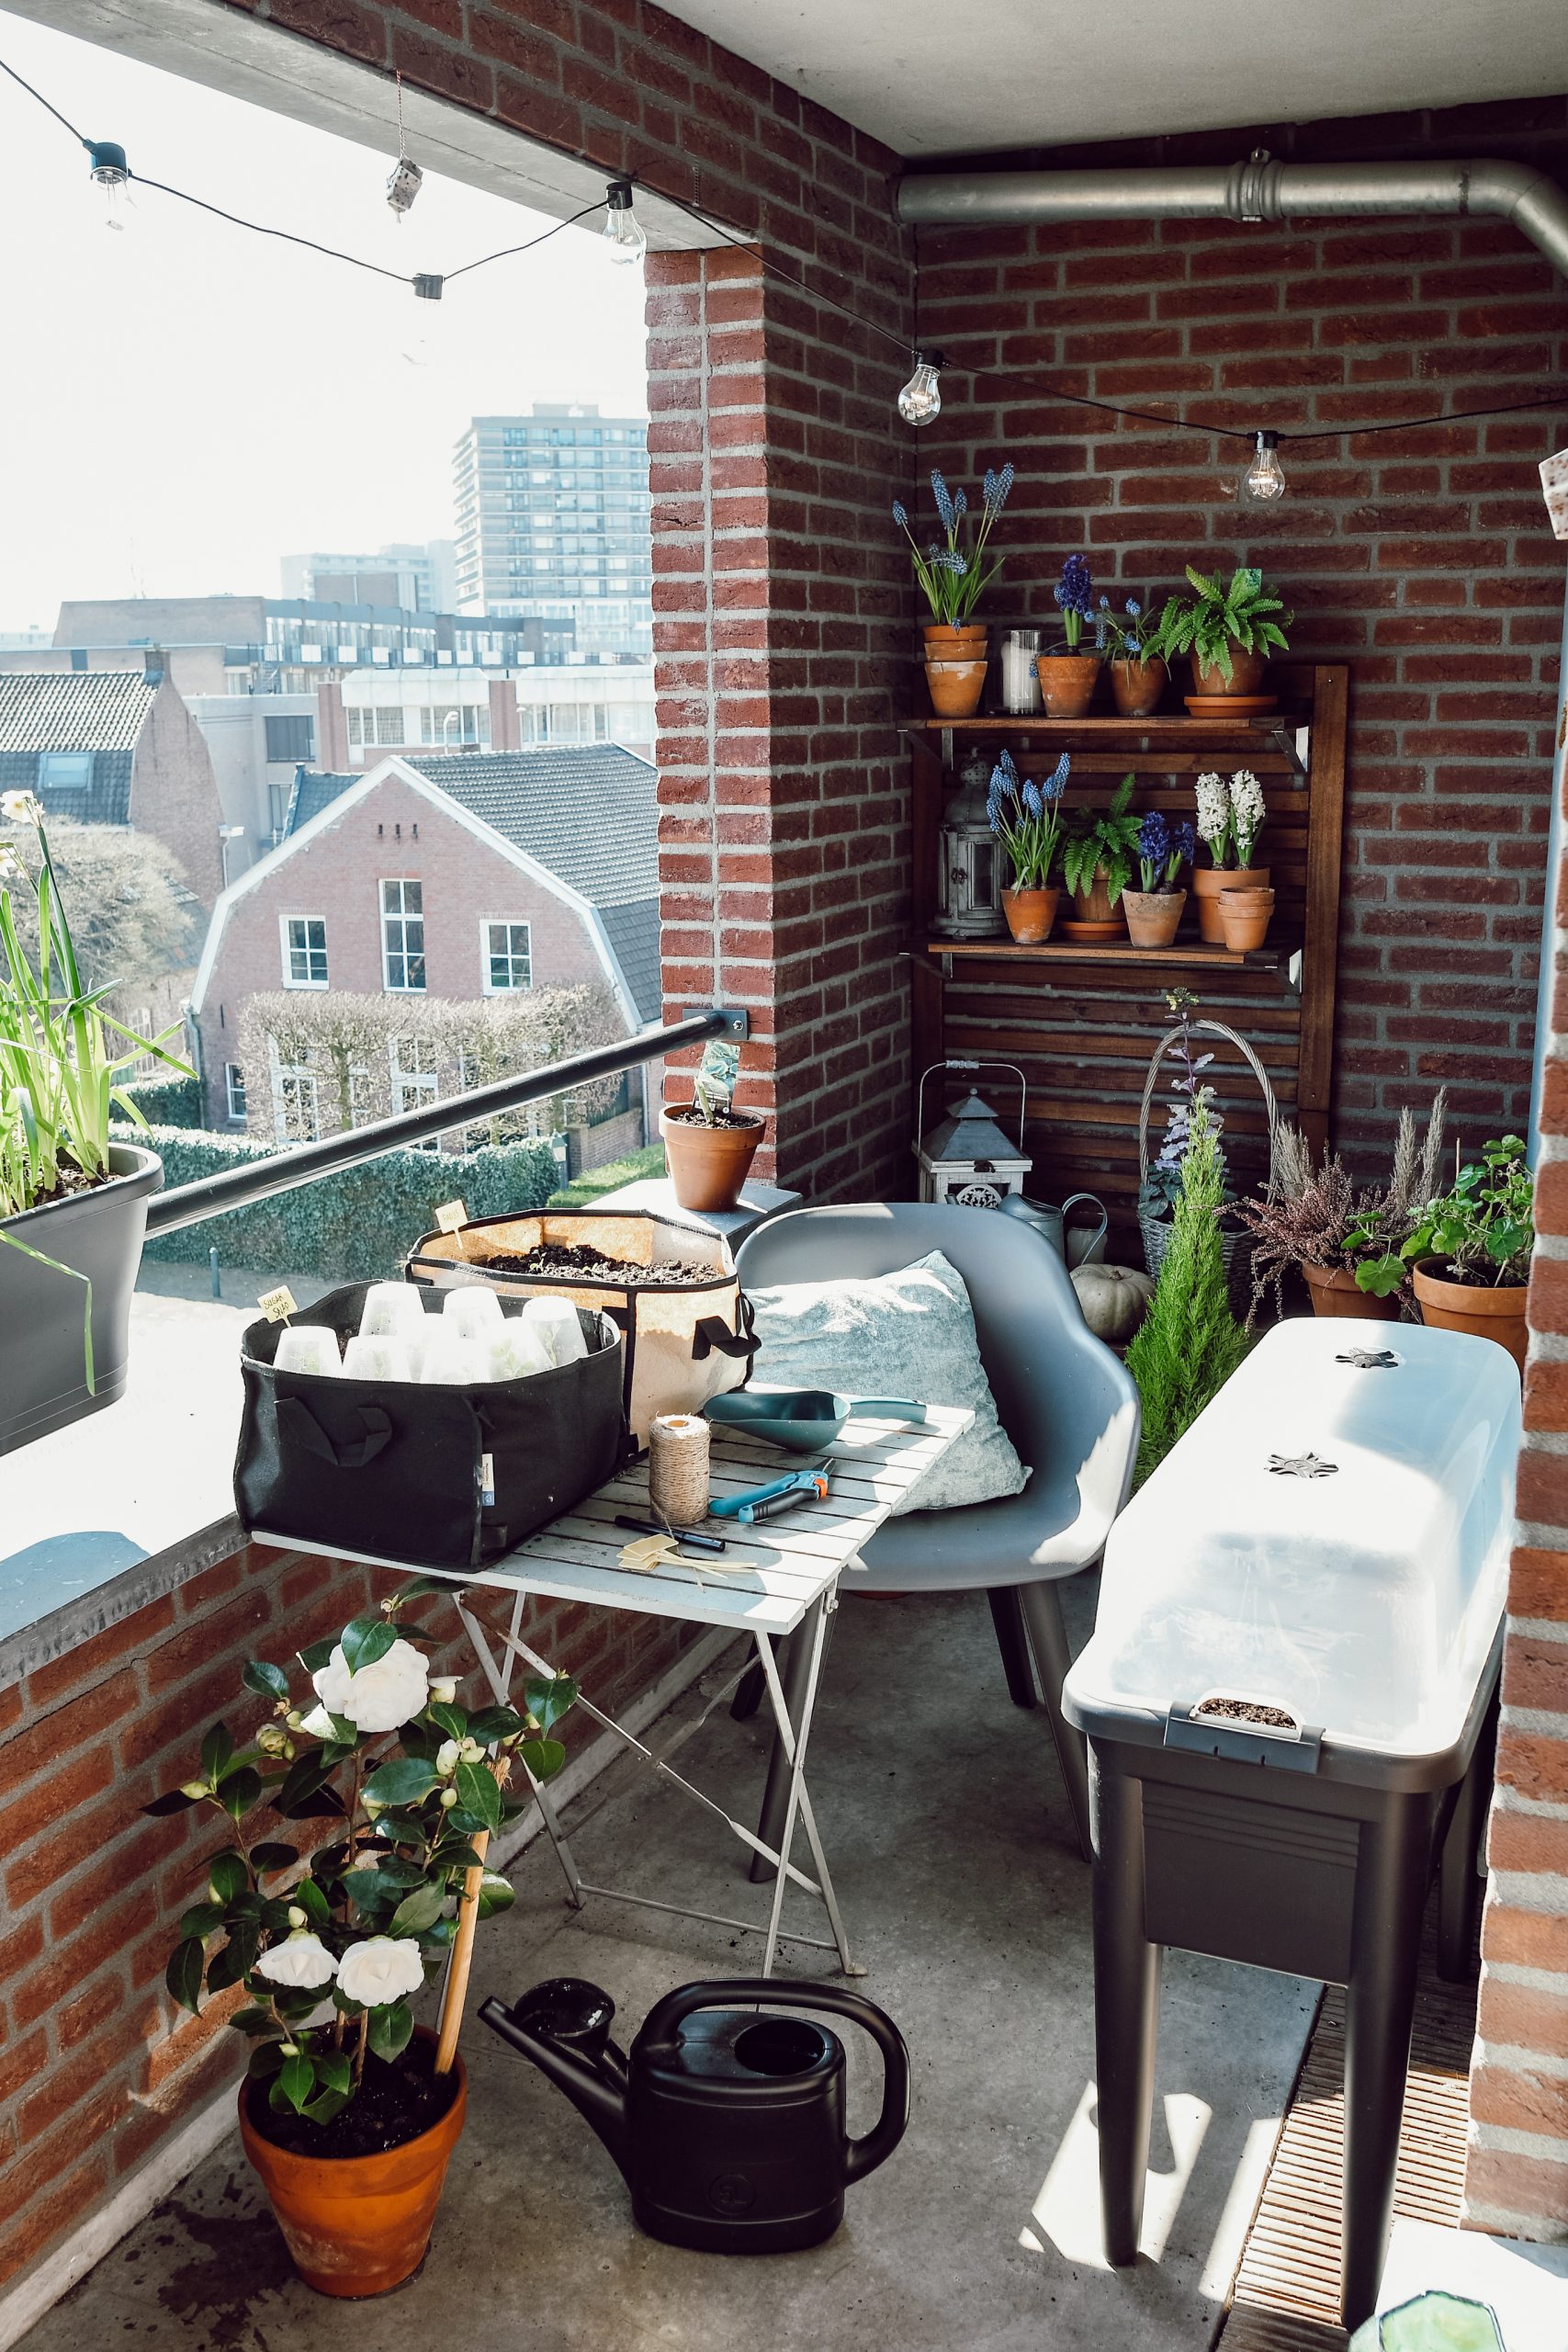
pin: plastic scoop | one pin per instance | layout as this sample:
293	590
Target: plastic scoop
803	1420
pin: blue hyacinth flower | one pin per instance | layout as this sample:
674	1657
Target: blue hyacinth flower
944	506
1032	801
900	515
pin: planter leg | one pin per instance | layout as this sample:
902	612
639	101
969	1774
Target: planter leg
1006	1616
1126	2014
1041	1605
1458	1882
1380	2003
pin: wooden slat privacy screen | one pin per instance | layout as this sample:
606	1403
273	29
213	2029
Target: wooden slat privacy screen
1082	1021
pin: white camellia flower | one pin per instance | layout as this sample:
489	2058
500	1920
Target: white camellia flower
444	1690
301	1959
381	1969
387	1692
447	1757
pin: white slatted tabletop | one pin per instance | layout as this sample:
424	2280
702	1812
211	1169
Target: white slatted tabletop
766	1578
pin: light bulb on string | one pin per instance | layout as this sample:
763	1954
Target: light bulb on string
919	402
1262	478
406	179
112	173
624	233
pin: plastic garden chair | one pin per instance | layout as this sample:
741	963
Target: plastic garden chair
1064	1398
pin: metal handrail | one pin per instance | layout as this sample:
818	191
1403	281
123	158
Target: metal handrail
258	1179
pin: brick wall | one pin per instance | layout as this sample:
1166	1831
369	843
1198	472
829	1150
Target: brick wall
1422	558
96	2066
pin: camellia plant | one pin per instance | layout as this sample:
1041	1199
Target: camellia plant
331	1947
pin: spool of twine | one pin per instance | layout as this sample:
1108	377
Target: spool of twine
678	1467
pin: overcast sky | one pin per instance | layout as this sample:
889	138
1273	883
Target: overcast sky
185	402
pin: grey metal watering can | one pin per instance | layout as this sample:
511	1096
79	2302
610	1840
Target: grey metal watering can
1084	1246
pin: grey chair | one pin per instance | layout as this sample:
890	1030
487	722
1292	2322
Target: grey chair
1064	1398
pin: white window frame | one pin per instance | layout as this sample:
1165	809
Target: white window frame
412	1089
287	948
400	915
509	924
234	1083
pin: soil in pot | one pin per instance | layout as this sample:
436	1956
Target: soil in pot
393	2104
1245	678
1068	681
575	1262
1030	915
1208	881
709	1165
1153	917
1137	686
1334	1290
1480	1308
1245	918
956	687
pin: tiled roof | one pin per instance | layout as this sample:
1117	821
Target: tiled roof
311	792
633	934
72	710
590	815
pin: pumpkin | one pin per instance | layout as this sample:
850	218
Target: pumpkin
1115	1300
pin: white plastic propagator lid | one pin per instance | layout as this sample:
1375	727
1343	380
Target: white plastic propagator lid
1330	1540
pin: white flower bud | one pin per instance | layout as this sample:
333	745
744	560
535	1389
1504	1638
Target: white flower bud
194	1789
297	1918
444	1691
448	1799
470	1751
447	1757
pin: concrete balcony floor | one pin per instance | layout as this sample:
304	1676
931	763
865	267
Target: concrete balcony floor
966	1902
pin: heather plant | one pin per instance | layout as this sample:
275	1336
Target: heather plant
1027	819
1189	1342
1316	1216
953	577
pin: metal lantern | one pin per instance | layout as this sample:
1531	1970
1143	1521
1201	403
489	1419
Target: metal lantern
969	861
968	1160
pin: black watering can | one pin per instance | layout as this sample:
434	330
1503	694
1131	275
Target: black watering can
728	2127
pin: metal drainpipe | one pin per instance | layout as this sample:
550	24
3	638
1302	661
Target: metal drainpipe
1261	189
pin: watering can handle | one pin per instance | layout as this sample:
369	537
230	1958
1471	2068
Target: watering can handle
1095	1202
861	2156
888	1408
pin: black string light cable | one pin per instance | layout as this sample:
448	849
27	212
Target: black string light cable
920	401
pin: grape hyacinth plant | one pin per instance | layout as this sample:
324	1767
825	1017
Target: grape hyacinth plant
953	576
1027	819
1074	598
1163	850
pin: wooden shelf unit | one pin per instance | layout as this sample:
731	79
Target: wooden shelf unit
1082	1021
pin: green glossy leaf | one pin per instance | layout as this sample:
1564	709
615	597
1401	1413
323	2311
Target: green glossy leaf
452	1720
305	1793
371	1891
548	1702
316	1655
365	1639
496	1894
417	1588
175	1801
201	1919
251	2021
266	2057
333	2071
245	1909
479	1795
325	2105
544	1758
296	2081
237	1958
269	1855
183	1974
391	2028
267	1680
216	1751
494	1722
238	1792
308	1895
274	1915
454	1854
228	1876
417	1911
402	1781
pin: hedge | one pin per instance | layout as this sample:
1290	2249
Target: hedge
586	1191
351	1226
167	1102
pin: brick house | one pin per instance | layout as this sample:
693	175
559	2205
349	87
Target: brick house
461	877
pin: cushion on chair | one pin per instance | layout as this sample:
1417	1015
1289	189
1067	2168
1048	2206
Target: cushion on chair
906	1334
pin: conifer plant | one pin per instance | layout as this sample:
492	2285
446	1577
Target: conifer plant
1189	1342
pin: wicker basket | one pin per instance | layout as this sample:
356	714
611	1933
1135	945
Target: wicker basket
1235	1248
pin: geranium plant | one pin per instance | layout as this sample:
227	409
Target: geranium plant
1485	1227
1027	819
1074	594
1104	845
331	1946
1163	850
953	576
1221	614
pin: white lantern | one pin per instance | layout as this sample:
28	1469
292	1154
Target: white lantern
969	861
967	1159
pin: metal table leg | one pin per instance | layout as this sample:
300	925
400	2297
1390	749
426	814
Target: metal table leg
1379	2004
500	1680
799	1674
1126	2012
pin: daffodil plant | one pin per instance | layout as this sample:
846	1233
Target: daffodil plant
331	1946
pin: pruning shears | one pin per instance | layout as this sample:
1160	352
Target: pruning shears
780	1494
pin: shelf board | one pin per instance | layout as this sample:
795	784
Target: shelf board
1168	729
1189	955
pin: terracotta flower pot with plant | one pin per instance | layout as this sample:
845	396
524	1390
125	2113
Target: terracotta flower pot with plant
1228	629
73	1204
1154	912
1026	818
1098	859
1313	1220
1068	675
953	577
1230	817
1466	1255
349	2112
708	1144
1134	647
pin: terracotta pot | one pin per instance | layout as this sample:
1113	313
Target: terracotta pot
1068	681
1245	678
1208	881
357	2226
1485	1313
954	641
1030	915
1153	916
1334	1291
1245	918
708	1166
956	687
1138	685
1093	905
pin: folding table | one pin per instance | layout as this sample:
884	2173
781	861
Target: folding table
778	1579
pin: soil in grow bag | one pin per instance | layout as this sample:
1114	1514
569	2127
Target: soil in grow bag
576	1263
394	2104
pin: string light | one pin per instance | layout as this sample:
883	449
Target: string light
406	178
919	402
1262	478
624	233
112	173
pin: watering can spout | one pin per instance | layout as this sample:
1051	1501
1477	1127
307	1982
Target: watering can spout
564	2027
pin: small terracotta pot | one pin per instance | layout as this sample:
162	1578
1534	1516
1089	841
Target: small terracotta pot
1245	918
708	1166
1068	681
1245	678
1138	685
1153	916
955	641
1208	881
1485	1313
1334	1291
956	687
1030	914
356	2225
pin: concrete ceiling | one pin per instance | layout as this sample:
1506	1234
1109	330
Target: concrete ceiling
937	77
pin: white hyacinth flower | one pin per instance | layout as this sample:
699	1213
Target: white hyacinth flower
301	1959
380	1696
1213	808
381	1969
1247	811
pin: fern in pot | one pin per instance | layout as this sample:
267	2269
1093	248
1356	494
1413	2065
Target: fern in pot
1099	858
1229	628
73	1204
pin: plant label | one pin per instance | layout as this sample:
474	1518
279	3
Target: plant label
278	1304
487	1478
451	1217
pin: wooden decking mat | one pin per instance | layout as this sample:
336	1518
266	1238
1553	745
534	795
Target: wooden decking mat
1288	2287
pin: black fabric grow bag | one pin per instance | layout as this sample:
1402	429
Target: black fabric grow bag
438	1477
